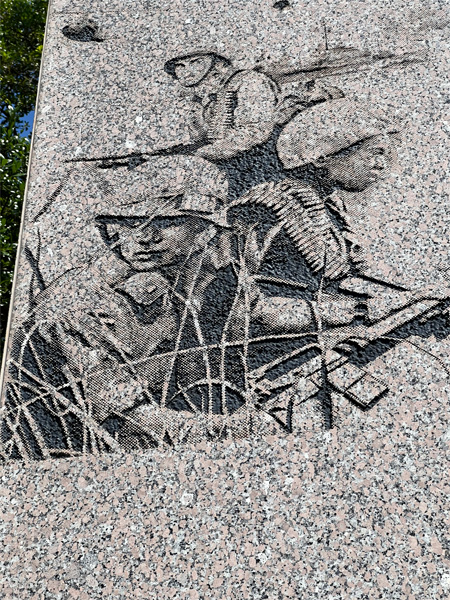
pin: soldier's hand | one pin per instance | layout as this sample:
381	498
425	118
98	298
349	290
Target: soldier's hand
339	310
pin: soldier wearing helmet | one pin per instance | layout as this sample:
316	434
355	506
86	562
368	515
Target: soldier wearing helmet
236	109
353	144
163	325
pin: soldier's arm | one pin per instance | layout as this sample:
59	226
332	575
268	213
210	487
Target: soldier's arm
245	117
283	315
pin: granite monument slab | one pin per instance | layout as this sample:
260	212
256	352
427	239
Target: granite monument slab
235	259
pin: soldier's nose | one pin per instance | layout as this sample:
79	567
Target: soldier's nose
148	237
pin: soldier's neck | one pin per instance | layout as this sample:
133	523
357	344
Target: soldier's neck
213	82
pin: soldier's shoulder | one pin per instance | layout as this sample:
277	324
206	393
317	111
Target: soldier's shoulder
250	77
65	295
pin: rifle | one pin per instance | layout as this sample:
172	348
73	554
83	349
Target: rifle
338	361
338	61
137	158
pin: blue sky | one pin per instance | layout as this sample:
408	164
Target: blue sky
28	121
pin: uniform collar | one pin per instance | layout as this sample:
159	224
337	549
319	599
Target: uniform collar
208	89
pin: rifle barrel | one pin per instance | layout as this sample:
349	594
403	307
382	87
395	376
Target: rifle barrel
363	333
169	151
370	333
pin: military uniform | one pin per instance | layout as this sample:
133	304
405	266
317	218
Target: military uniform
152	356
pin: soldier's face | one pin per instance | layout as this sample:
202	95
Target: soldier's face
366	164
191	71
147	245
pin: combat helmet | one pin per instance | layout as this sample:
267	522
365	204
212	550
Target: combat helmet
327	128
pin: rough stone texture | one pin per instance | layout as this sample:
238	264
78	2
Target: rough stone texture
358	512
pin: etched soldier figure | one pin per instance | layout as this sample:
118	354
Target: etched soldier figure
193	312
350	148
353	148
236	110
222	303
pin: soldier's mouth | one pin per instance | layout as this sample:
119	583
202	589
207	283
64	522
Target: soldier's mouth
147	255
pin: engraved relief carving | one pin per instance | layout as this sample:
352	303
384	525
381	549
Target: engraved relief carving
228	295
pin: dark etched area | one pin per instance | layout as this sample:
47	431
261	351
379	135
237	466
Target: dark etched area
82	32
212	313
281	4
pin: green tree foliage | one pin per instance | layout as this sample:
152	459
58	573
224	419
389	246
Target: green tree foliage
21	37
22	25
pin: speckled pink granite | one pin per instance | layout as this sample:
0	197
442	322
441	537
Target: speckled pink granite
360	512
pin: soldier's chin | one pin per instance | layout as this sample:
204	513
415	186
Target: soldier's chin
359	184
360	264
